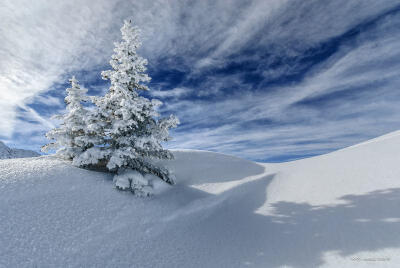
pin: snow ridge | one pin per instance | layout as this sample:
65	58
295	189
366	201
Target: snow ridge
334	210
8	153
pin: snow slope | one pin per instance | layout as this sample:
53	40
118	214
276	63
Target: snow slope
335	210
7	153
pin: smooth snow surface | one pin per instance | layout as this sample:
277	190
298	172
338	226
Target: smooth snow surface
337	210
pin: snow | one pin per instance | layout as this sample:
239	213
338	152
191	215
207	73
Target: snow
7	153
134	181
124	129
73	134
335	210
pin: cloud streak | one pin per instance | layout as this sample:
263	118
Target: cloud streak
265	80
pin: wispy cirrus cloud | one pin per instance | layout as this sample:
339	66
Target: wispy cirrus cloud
266	80
41	42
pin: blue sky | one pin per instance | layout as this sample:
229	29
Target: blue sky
264	80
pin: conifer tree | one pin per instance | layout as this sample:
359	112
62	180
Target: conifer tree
128	123
69	138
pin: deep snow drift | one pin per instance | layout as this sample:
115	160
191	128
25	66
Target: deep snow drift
8	153
335	210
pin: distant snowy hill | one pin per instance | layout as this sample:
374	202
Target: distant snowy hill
7	153
334	210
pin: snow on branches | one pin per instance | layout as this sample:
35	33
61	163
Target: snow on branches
69	137
123	132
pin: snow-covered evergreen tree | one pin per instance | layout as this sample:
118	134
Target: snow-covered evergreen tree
70	137
132	134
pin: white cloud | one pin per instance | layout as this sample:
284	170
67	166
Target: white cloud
43	42
173	93
345	122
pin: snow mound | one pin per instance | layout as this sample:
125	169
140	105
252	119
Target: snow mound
8	153
134	181
335	210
